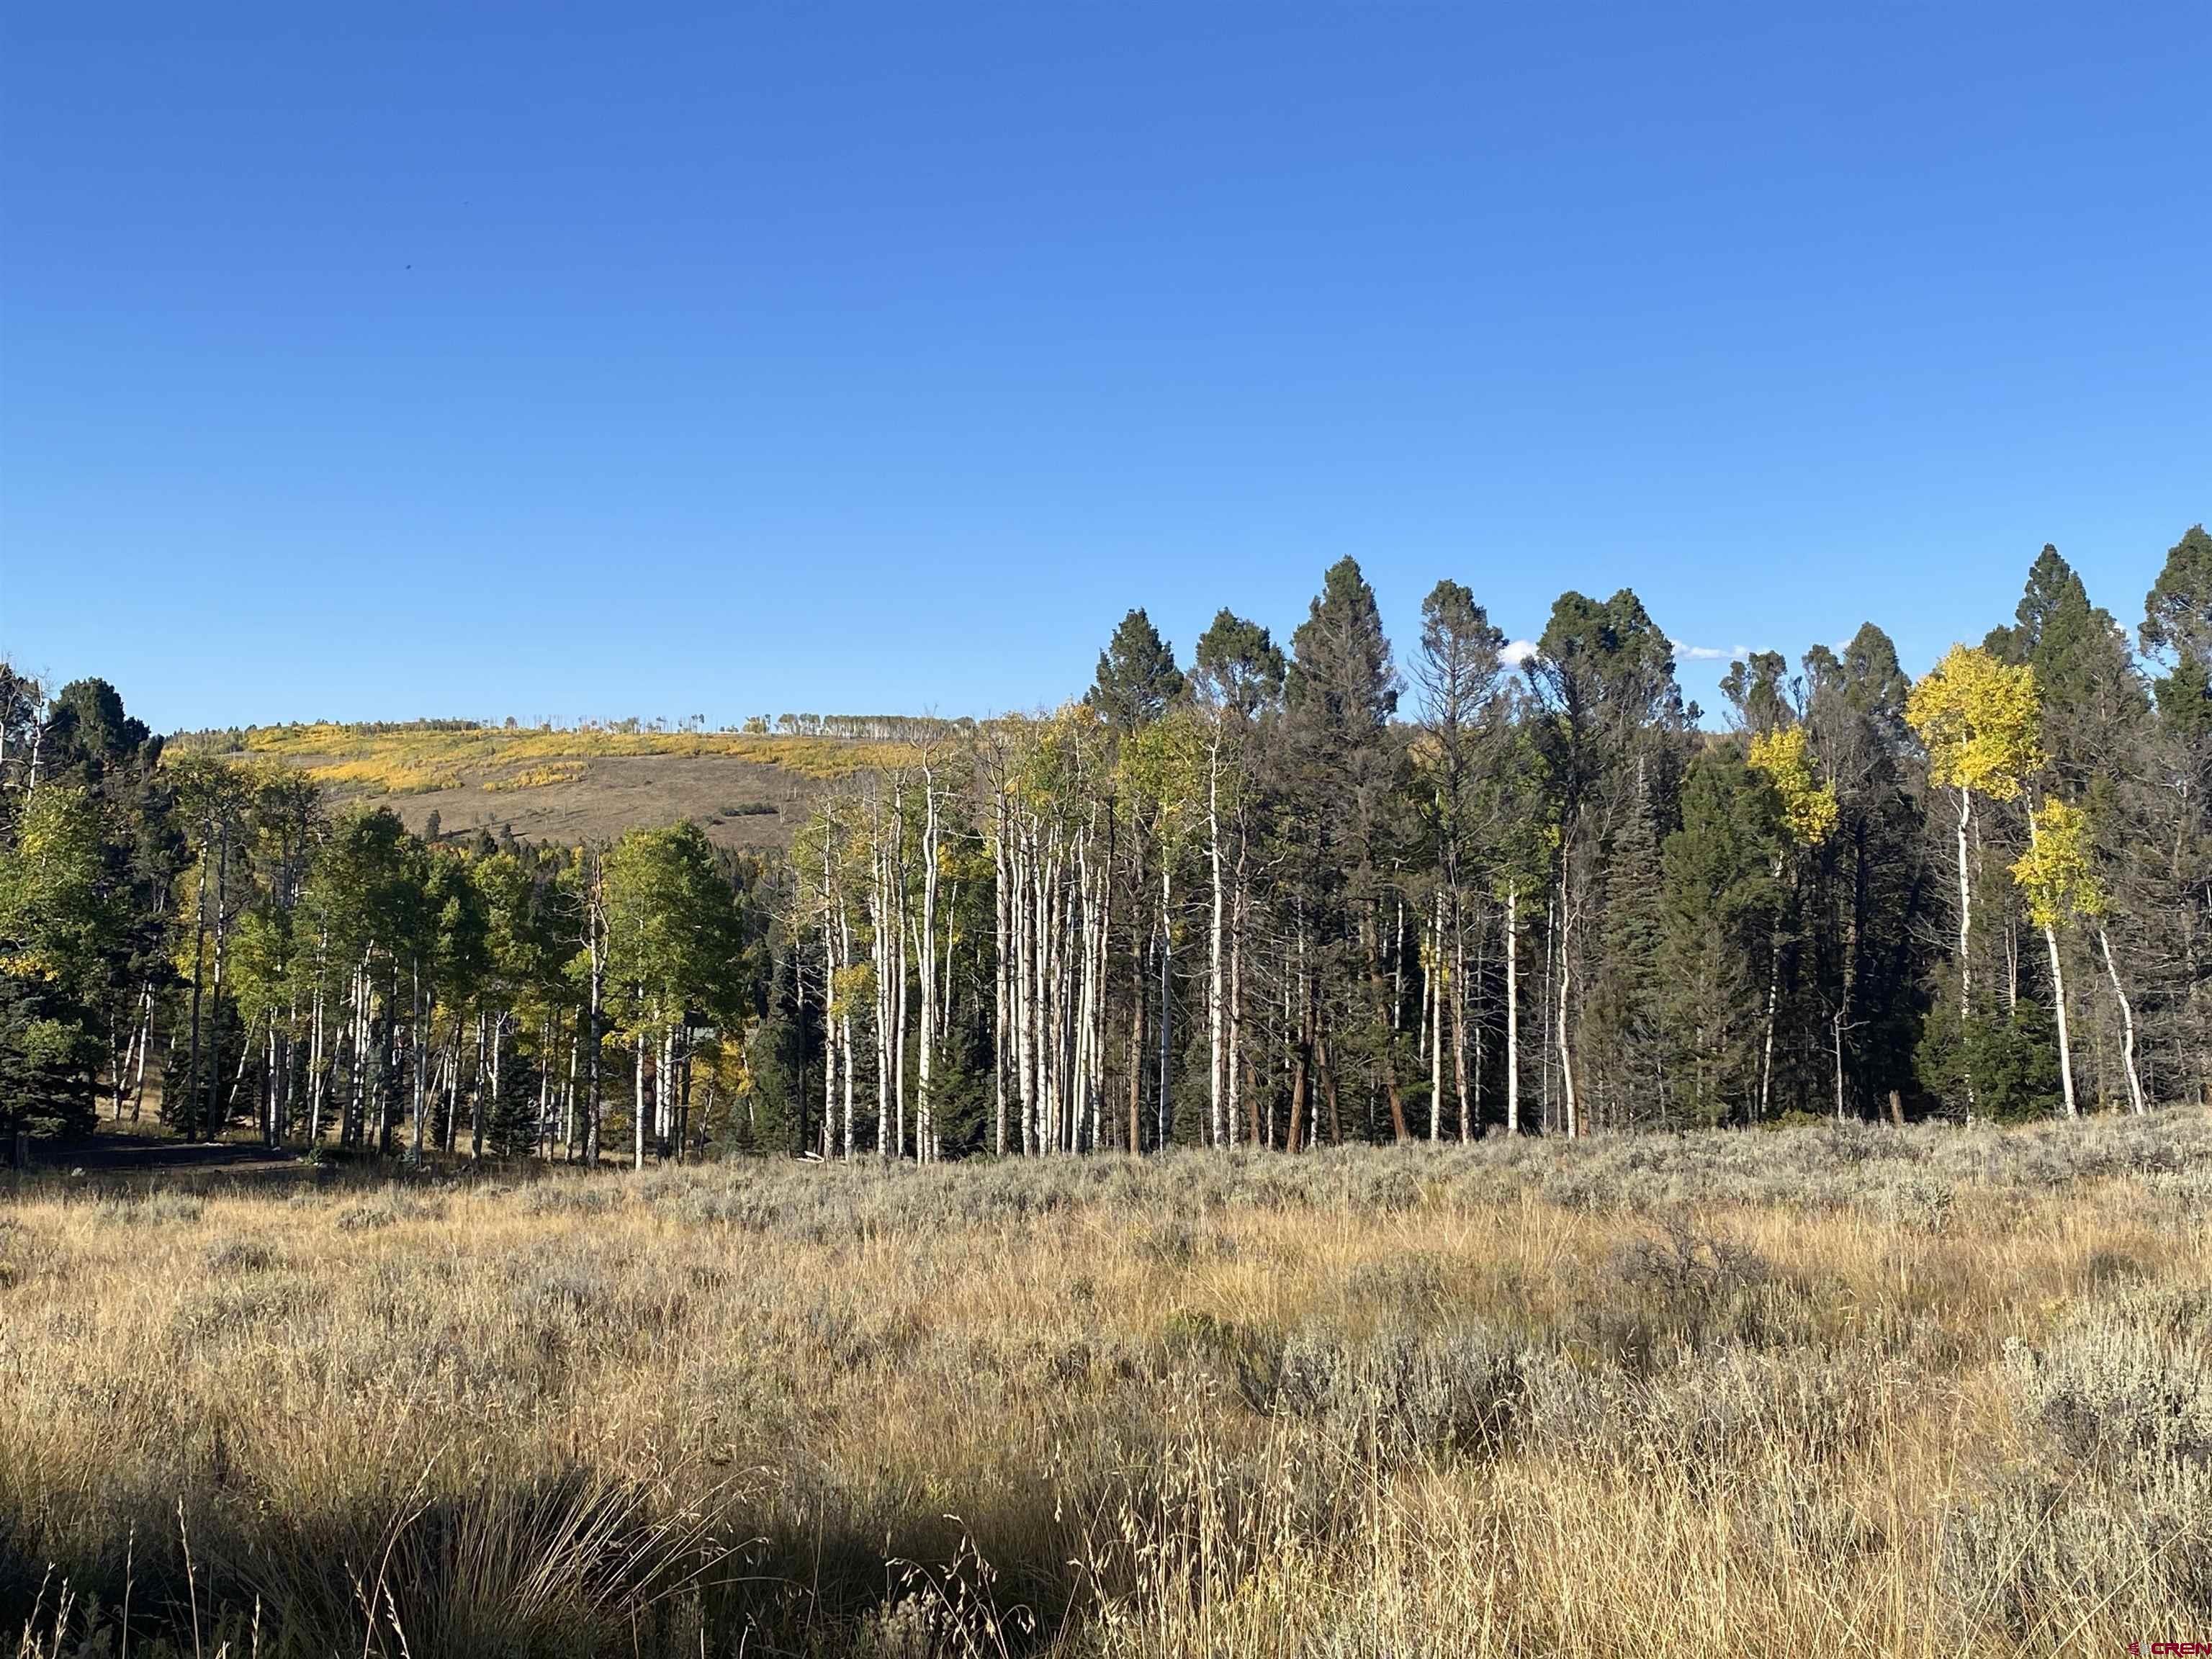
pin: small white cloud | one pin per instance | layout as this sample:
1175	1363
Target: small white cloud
1518	652
1689	652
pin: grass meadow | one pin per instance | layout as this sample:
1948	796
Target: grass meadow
1813	1392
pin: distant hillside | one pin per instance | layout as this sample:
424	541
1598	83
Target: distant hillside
745	789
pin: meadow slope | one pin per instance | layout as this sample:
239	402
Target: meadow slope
561	785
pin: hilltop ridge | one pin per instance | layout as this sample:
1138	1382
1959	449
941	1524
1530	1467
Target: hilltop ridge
747	788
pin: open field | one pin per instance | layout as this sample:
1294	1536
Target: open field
560	785
1811	1392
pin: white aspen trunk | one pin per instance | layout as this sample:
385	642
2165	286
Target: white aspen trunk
882	926
1513	1010
544	1086
641	1110
415	1056
1436	1022
829	996
926	957
1398	964
1000	941
1079	1104
569	1100
845	1021
1773	999
898	975
141	1033
1469	1101
1547	987
1216	1124
1051	1029
484	1105
1566	1053
318	1082
594	919
1965	811
1024	1012
2135	1103
828	1038
1237	922
1101	946
845	1043
1069	1032
146	1042
946	982
1167	1011
1835	1037
2058	997
2059	1011
1045	1046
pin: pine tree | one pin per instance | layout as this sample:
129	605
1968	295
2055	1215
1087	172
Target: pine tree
1339	694
1719	903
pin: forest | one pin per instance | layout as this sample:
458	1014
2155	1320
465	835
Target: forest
1274	893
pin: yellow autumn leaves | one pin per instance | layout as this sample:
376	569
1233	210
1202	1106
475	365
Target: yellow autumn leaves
1981	721
2057	872
1809	808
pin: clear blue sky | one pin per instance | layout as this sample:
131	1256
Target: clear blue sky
725	360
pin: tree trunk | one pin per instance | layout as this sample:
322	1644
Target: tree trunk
1470	1104
999	944
215	989
1384	1017
1217	1124
639	1112
1773	999
190	1119
1566	977
1166	1107
2135	1102
2058	997
1965	811
1435	977
1513	1011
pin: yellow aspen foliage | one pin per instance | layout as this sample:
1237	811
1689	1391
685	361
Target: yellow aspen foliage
2056	872
1809	808
1978	717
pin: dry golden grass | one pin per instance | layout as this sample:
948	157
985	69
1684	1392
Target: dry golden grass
1815	1392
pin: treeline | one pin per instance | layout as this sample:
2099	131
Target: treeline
215	929
1276	893
1281	892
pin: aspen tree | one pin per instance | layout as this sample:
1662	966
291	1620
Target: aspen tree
1978	718
1809	811
2058	876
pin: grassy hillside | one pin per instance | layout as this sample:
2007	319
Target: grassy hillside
745	789
1812	1393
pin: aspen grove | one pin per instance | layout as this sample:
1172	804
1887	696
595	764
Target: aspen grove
1278	893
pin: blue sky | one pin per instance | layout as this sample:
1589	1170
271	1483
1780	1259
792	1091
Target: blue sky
561	362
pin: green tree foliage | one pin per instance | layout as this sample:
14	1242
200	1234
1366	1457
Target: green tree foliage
2177	632
1346	766
1720	901
1138	680
59	923
1263	886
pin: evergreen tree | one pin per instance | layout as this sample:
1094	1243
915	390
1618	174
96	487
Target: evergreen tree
1138	679
1347	766
1719	904
60	922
